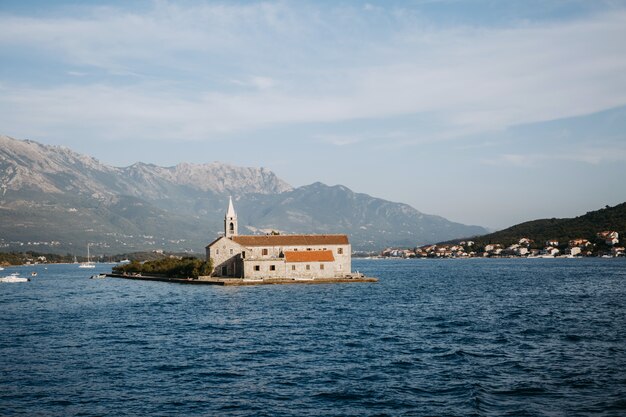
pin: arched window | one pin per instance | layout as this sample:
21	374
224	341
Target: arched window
232	227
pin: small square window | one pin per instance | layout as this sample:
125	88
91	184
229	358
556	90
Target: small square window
272	267
264	252
293	267
231	251
340	251
257	268
308	267
322	266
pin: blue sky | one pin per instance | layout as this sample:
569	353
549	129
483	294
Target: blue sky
484	112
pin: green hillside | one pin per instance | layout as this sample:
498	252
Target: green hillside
585	226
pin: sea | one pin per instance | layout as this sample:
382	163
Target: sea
475	337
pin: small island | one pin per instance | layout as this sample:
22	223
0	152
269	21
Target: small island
234	259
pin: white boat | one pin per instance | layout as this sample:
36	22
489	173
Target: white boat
87	264
98	276
1	268
13	278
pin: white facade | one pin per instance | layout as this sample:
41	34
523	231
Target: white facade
277	256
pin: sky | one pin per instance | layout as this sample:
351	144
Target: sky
485	112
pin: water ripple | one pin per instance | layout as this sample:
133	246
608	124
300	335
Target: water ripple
466	338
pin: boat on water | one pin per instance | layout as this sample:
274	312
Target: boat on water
1	268
98	276
14	277
33	274
87	264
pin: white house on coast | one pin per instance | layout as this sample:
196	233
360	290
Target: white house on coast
277	256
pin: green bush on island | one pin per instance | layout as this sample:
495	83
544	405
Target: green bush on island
188	267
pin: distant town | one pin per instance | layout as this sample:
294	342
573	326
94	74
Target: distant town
606	244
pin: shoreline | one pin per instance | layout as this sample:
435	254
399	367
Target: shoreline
239	282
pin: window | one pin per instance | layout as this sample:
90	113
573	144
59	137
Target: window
322	267
243	254
264	252
217	251
231	251
293	267
340	251
308	267
232	227
257	268
272	267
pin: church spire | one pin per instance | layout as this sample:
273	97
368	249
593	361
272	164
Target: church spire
231	209
230	220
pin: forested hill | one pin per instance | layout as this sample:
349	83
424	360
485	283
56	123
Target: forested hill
585	226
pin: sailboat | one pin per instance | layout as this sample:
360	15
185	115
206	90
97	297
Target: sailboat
87	264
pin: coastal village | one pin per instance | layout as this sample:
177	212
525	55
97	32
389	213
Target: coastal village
607	245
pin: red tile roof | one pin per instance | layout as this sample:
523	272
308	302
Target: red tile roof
309	256
291	240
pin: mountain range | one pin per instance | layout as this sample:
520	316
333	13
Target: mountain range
53	199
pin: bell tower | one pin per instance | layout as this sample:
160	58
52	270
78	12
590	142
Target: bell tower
230	220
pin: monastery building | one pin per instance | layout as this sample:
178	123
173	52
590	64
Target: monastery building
277	256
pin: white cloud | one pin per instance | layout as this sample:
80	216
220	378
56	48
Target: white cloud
318	66
591	155
338	140
256	82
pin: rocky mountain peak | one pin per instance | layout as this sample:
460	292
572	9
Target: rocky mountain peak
221	178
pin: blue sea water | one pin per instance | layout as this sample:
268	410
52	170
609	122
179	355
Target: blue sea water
538	337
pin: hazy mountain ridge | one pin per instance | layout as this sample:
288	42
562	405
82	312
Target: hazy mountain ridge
54	169
340	210
54	193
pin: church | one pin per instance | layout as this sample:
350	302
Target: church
277	256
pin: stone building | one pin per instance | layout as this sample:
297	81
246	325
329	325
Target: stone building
277	256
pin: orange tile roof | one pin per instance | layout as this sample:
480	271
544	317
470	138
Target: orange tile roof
291	240
309	256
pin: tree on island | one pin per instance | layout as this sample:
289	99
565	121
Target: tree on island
187	267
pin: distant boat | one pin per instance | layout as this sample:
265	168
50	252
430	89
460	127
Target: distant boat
33	274
98	276
13	278
124	261
87	264
1	268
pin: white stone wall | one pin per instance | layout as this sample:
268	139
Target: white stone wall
341	266
264	268
240	261
226	254
314	270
